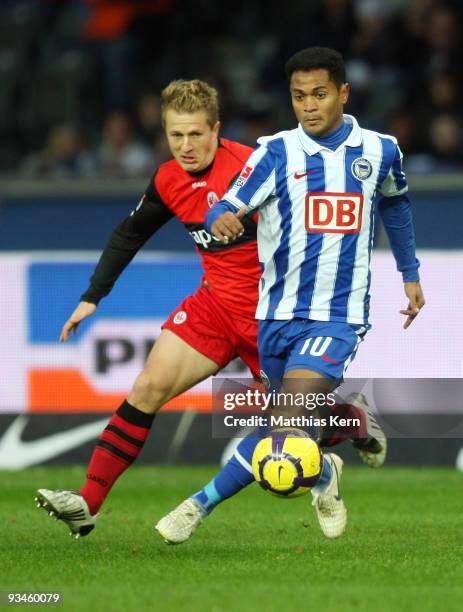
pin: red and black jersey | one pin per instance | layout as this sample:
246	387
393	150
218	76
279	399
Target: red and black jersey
231	271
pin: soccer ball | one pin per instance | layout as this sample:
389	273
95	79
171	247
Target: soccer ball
288	463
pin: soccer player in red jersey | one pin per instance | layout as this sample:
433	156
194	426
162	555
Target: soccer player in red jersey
207	330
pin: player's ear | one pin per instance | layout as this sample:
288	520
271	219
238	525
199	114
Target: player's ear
216	127
344	92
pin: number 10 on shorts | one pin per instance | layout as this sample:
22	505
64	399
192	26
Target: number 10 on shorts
316	346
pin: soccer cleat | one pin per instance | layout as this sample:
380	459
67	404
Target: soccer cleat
180	524
69	507
330	509
373	448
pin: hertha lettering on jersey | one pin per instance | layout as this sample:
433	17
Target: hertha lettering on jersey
315	231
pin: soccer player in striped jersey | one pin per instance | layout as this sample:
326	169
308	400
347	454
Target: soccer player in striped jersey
315	188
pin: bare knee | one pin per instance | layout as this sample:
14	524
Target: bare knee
150	391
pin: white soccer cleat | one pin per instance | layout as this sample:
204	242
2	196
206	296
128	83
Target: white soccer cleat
373	448
69	507
330	509
180	524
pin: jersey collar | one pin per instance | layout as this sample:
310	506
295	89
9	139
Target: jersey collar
311	147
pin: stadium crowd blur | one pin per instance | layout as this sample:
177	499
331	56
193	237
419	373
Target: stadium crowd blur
80	79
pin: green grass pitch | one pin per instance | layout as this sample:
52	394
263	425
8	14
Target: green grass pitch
402	551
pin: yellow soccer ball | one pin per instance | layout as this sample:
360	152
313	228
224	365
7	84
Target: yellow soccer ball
288	463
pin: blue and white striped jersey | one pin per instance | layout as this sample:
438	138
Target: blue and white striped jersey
315	230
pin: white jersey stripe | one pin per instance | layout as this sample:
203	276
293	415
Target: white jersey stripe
329	254
269	233
296	163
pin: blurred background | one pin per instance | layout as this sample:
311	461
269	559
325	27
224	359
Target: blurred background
81	78
80	136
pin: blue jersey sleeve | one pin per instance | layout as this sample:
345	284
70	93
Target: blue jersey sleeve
254	185
395	182
256	182
396	215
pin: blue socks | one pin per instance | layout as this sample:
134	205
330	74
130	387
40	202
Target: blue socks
234	476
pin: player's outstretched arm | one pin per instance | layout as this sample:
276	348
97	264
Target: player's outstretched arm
83	310
416	301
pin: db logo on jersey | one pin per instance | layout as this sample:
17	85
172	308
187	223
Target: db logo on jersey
180	317
333	213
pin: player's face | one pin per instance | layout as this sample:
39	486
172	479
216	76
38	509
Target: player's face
192	141
317	101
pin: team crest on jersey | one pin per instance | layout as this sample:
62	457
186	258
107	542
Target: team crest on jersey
212	198
180	317
243	177
361	168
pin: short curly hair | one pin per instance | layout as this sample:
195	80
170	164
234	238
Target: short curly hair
190	97
315	58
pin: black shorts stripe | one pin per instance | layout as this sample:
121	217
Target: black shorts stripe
115	451
124	436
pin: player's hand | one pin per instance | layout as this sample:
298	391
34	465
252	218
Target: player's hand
415	302
83	310
228	226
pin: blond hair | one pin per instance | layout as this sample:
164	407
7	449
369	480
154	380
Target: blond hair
190	97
